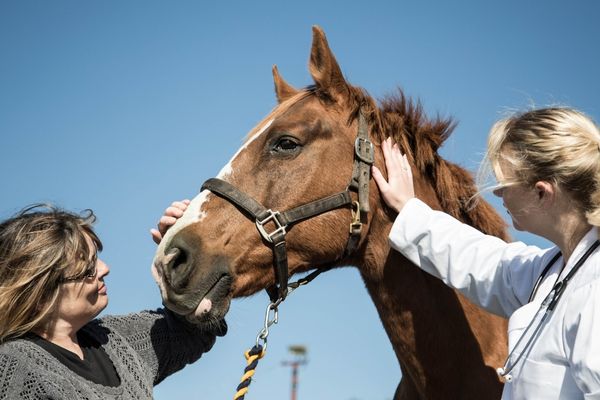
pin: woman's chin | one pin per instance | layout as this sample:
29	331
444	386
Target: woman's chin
516	225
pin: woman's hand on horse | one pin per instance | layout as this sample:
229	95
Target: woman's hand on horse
399	188
171	215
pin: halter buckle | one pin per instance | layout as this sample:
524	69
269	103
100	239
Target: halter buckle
363	148
272	216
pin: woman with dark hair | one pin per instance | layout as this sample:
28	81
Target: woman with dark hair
52	288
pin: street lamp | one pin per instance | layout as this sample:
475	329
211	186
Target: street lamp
299	358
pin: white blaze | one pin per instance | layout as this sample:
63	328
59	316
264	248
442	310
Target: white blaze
194	211
227	168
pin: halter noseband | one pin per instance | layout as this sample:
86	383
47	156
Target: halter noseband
282	221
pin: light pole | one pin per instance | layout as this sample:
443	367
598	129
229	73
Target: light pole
299	358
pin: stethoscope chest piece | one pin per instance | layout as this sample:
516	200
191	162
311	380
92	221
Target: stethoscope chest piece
503	375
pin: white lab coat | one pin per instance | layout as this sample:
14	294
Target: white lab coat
564	360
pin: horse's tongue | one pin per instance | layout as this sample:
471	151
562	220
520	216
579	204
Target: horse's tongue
204	307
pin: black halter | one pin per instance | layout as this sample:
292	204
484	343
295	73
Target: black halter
282	221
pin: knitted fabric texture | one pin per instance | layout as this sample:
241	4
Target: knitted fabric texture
144	347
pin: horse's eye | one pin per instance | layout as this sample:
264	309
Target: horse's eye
286	144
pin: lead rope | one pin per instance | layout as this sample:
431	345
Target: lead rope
252	357
260	348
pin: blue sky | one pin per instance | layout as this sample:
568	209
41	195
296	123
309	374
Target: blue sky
124	106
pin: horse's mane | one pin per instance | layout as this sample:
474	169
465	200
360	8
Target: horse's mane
420	137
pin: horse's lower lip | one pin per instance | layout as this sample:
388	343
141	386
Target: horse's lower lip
215	294
224	280
211	304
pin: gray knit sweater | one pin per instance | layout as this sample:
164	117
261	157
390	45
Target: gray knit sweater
145	348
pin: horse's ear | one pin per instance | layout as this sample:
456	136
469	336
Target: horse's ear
324	68
283	90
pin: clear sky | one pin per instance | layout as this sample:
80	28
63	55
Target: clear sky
124	106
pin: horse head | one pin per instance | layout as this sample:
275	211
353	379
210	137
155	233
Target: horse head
309	148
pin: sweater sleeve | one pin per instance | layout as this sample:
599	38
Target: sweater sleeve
165	341
494	274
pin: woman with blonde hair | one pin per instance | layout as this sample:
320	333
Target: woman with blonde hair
52	287
547	164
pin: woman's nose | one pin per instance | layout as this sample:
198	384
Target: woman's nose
102	268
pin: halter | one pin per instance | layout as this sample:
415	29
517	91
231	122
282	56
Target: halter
283	221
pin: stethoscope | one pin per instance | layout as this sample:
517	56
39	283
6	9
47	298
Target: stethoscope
549	304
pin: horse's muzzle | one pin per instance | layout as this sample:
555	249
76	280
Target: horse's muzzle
189	284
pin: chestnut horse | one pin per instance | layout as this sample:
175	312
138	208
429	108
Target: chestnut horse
307	149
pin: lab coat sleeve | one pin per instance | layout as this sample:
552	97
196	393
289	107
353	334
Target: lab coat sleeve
496	275
582	339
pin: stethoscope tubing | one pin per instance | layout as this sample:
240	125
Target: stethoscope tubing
549	304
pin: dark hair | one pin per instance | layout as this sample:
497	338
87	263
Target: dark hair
39	246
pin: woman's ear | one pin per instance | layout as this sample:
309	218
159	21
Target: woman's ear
546	192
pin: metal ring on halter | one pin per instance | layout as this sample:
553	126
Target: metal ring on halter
279	228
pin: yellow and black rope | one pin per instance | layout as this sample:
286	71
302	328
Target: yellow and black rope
252	356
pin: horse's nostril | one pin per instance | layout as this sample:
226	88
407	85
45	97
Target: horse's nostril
180	257
178	265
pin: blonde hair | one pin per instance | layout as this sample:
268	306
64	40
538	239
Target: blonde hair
559	145
39	247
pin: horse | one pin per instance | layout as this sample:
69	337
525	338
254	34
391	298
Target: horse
306	157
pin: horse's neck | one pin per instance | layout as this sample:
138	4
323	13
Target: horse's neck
447	346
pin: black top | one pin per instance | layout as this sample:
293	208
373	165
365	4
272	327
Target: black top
96	366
